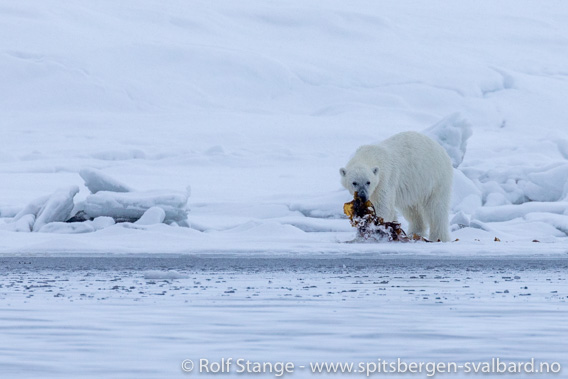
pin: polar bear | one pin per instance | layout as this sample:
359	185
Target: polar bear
409	172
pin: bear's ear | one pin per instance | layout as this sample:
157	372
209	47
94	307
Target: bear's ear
342	172
376	170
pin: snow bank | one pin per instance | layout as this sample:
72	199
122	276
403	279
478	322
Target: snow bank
509	212
517	184
559	221
323	206
563	147
452	133
259	119
68	227
9	210
466	196
547	184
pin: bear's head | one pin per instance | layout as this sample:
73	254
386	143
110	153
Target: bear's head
362	179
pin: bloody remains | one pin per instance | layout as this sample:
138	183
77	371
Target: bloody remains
362	216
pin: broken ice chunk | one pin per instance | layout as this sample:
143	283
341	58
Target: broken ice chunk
32	208
96	181
58	207
131	206
154	215
165	275
103	222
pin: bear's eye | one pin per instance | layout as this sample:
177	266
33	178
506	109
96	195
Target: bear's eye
354	184
368	183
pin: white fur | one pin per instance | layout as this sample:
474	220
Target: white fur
409	172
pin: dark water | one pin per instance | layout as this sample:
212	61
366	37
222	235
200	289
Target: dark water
95	317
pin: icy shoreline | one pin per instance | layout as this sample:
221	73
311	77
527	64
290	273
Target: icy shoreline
483	252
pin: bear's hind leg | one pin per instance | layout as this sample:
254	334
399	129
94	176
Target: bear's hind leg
415	216
437	215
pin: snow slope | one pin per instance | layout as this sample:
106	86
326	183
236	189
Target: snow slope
256	104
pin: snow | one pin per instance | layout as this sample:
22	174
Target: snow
67	228
452	133
256	106
467	197
25	223
116	108
87	226
510	212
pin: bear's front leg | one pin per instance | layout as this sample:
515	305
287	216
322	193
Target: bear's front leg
384	205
